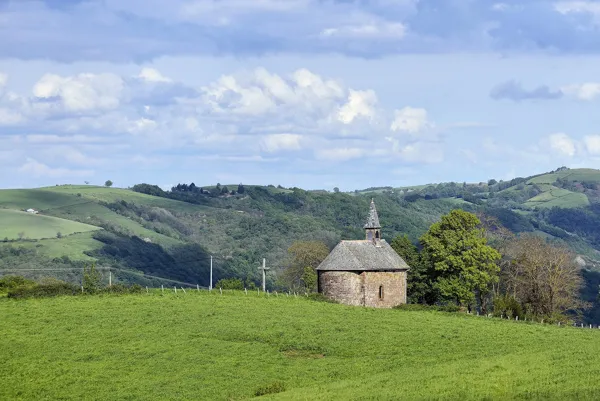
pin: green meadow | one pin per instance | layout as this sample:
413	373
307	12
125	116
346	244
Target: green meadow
201	345
35	226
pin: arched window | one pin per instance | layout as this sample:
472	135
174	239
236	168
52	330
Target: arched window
377	234
370	235
380	292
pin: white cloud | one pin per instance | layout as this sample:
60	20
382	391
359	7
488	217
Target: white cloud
410	119
380	30
339	154
152	75
9	117
3	80
261	92
563	144
142	125
276	142
585	91
360	104
567	7
83	92
592	144
36	169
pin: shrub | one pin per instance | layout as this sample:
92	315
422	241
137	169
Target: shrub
273	388
508	306
49	289
230	284
8	283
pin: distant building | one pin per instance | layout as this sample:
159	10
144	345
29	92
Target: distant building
365	272
32	211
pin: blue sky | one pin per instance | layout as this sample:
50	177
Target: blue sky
308	93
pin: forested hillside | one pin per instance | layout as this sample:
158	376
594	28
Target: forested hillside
173	233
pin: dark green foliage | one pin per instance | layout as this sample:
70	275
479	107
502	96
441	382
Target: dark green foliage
460	261
514	221
48	289
92	280
8	283
273	388
230	284
419	285
149	189
507	306
309	278
189	263
108	183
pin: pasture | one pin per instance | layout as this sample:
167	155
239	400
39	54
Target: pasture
201	345
34	226
558	197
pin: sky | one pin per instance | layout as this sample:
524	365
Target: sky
309	93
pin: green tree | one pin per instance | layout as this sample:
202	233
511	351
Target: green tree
419	286
309	278
492	182
241	189
91	279
224	190
303	254
108	183
463	265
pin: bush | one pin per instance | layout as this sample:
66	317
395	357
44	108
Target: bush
8	283
273	388
230	284
507	306
43	290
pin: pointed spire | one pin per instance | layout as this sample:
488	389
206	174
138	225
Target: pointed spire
373	220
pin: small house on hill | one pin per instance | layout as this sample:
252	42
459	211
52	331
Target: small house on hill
365	272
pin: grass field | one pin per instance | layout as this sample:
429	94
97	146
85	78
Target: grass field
580	174
37	226
207	346
558	197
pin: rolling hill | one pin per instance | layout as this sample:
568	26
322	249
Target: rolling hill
201	345
173	234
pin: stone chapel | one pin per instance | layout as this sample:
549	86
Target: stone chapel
365	272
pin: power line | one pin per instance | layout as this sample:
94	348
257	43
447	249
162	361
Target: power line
102	268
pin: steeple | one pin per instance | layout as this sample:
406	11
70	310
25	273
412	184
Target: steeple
373	228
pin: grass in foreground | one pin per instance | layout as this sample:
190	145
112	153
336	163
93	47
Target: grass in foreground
207	346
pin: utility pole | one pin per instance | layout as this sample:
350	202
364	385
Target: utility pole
210	284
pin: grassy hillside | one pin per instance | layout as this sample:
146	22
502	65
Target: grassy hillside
230	347
174	233
34	226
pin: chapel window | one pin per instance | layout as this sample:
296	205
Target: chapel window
380	292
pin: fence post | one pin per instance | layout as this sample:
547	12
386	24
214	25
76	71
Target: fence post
246	291
146	289
221	290
182	289
162	288
198	287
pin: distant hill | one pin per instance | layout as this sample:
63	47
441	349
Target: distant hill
173	233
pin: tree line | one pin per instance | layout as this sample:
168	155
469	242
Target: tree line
474	262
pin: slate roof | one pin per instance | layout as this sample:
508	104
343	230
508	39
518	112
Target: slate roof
373	220
363	255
